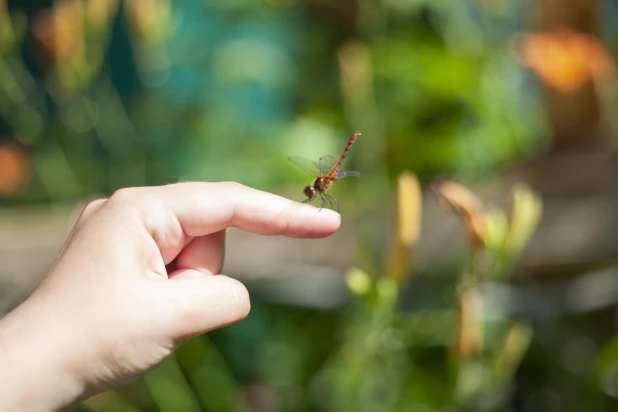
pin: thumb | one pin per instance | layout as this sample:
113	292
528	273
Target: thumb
206	302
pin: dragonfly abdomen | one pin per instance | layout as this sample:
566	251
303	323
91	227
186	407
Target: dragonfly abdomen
351	140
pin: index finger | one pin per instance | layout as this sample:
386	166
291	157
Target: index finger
199	208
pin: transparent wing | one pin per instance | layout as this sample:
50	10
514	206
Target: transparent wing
326	164
347	173
309	166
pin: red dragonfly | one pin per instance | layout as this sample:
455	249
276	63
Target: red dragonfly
325	171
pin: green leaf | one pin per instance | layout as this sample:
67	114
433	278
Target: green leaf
604	373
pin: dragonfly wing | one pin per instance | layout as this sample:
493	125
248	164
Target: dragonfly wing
327	163
309	166
347	173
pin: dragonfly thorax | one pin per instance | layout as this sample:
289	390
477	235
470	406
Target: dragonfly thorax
322	183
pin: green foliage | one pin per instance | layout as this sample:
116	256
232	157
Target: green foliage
226	90
137	104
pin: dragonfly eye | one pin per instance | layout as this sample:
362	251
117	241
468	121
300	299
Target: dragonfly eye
309	191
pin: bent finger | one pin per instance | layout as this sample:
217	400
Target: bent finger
208	302
204	253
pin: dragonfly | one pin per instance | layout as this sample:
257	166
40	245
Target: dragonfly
325	172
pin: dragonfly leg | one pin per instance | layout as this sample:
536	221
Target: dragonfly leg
330	201
323	201
333	201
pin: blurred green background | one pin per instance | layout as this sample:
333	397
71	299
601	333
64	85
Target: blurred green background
508	304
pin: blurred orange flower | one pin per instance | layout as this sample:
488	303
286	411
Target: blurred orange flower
407	225
563	59
465	203
469	323
59	32
14	168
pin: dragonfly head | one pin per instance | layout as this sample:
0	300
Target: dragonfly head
309	191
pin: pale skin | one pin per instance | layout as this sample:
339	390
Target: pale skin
108	311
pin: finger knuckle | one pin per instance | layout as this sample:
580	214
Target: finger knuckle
93	206
235	186
90	209
135	198
123	196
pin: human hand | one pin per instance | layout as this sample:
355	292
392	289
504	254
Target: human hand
138	275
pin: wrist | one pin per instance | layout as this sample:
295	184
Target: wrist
35	363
